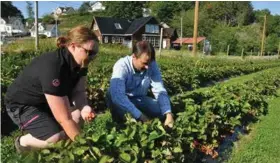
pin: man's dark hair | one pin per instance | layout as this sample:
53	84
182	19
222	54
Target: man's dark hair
144	47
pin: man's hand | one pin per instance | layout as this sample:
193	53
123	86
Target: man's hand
143	118
87	113
169	121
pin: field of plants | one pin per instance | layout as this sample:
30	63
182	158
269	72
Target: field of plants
204	117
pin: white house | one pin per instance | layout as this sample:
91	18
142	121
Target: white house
97	6
48	30
11	25
63	10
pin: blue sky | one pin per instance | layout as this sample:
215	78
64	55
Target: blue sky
46	7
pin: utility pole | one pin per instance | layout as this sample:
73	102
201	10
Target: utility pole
195	27
181	41
56	17
160	45
279	51
263	36
36	26
228	50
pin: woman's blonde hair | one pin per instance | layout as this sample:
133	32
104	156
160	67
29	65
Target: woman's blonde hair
79	35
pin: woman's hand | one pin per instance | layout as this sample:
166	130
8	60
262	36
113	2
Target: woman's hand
87	113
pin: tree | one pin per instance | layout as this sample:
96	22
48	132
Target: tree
124	9
85	7
30	11
7	9
205	24
230	13
272	43
259	14
223	36
48	19
165	11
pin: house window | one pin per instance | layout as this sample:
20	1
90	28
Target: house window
117	39
151	28
144	38
153	40
156	29
106	39
147	28
113	40
118	26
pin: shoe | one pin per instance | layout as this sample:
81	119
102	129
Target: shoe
20	148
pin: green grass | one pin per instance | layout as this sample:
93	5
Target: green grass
263	143
28	45
68	22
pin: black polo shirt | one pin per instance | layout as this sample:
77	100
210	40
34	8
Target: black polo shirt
54	73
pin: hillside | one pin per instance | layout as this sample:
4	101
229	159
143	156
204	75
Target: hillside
69	21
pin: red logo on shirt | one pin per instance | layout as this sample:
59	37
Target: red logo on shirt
56	82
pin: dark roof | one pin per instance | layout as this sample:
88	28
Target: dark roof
47	27
107	25
66	8
137	23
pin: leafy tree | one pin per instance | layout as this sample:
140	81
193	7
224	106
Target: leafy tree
124	9
259	14
30	11
272	43
166	10
230	13
48	19
84	7
272	21
249	38
7	9
205	24
221	37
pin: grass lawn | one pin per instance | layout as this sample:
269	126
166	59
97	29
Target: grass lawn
263	143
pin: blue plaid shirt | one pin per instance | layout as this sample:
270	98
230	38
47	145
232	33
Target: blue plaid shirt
126	82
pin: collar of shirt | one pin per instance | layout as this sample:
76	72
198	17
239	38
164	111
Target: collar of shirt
70	60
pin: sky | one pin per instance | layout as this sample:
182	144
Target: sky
46	7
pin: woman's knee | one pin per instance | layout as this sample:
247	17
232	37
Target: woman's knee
56	137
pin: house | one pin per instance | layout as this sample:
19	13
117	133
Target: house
187	41
49	30
169	35
96	6
11	26
63	11
126	32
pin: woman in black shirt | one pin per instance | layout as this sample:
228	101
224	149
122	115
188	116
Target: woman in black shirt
48	98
